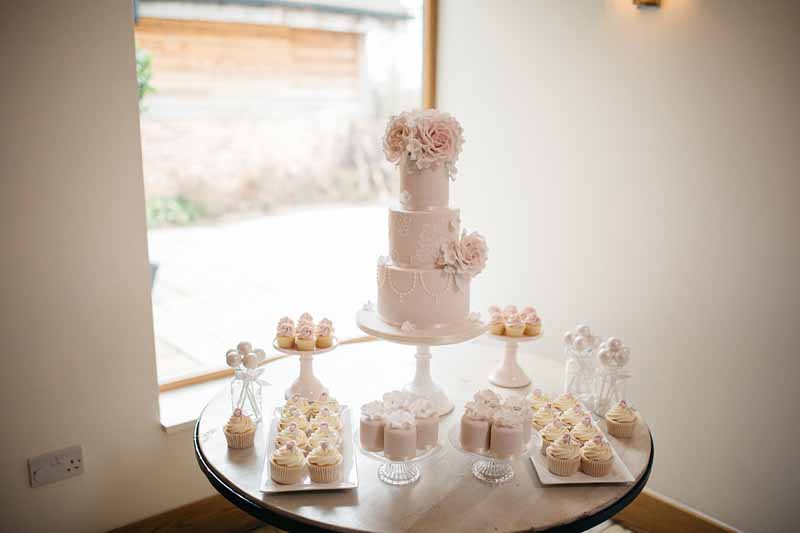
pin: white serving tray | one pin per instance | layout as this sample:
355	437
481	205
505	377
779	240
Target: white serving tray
619	472
349	467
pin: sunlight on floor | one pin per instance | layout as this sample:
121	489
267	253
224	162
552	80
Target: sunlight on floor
219	284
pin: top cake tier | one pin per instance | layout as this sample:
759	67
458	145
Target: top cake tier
423	189
425	145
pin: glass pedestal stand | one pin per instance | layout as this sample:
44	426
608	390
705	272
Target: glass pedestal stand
306	385
488	468
509	374
370	323
399	473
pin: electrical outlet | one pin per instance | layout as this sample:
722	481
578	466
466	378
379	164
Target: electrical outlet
55	466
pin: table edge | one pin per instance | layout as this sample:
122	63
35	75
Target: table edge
292	522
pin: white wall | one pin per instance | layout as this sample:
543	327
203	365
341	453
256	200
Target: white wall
640	170
76	333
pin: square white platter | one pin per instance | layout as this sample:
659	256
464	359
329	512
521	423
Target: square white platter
349	469
619	472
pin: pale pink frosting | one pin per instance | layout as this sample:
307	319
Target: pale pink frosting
514	320
305	331
510	310
286	319
285	329
529	315
496	318
494	309
325	328
305	317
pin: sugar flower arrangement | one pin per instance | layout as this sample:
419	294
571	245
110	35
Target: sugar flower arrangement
465	257
428	137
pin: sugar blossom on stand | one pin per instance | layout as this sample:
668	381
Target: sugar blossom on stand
428	137
464	258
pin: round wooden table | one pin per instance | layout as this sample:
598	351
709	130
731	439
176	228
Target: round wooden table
447	497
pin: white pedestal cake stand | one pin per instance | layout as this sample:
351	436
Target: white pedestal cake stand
509	374
423	384
306	385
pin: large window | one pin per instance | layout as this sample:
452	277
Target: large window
265	180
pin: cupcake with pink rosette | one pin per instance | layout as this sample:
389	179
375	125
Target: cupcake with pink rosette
497	326
515	327
324	333
564	456
596	457
621	419
533	324
304	337
240	431
325	463
285	333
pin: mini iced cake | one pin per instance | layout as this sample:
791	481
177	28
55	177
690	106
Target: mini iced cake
371	426
506	434
427	421
519	406
621	420
488	398
287	463
564	456
475	427
400	436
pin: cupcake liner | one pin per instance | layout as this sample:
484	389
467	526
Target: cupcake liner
563	467
324	342
596	468
285	475
545	444
240	441
325	474
285	342
620	430
305	345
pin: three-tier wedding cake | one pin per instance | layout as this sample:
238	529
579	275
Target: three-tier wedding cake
424	282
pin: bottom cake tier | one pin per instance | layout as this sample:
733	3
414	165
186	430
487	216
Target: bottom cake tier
426	298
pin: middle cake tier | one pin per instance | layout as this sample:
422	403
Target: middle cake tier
416	237
425	297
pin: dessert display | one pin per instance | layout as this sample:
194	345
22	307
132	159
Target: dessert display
513	323
305	336
240	431
424	283
400	425
506	437
310	443
621	419
596	457
564	456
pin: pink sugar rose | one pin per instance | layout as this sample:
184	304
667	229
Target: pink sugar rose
466	257
398	133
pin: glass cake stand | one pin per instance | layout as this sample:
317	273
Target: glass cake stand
306	385
370	323
509	374
489	468
399	473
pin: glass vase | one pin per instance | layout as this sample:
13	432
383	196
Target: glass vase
246	393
